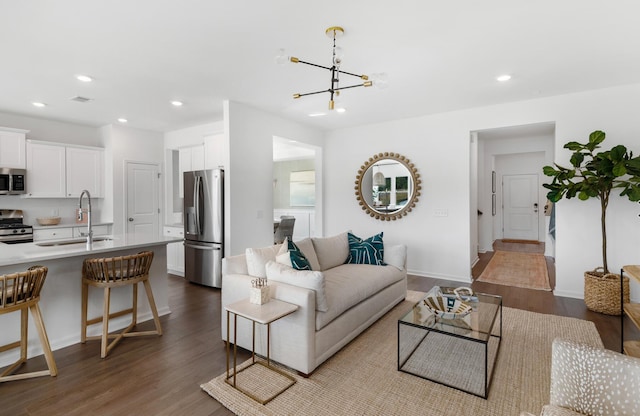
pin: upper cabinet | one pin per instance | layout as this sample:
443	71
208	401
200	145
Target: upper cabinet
85	169
12	148
60	171
209	155
45	170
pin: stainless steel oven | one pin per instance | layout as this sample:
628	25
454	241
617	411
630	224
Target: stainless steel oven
12	230
13	181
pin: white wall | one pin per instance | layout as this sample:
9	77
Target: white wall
439	147
249	175
124	144
191	136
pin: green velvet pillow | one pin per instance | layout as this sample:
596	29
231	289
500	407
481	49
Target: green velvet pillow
369	251
292	256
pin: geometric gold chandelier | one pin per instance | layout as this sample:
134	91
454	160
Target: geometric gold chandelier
334	88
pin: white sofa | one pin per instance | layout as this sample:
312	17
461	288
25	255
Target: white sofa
355	296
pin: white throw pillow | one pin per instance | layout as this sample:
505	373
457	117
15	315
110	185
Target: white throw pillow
307	279
395	255
257	259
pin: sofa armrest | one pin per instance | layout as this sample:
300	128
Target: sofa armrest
592	380
292	337
235	265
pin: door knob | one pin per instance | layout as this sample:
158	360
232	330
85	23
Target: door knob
130	219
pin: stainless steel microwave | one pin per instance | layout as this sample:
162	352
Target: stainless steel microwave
13	181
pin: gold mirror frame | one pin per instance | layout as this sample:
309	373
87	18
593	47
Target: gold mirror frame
415	177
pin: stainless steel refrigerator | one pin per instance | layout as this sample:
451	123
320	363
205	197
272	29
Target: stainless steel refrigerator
204	226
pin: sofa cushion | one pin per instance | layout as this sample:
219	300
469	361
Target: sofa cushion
369	251
349	284
257	259
395	255
331	251
290	255
308	279
306	246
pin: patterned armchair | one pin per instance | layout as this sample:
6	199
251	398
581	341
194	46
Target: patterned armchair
592	381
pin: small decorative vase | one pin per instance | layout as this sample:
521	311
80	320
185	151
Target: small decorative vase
259	295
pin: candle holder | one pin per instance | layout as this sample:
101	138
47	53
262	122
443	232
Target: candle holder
259	291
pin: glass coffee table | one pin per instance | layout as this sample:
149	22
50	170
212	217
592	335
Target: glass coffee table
459	353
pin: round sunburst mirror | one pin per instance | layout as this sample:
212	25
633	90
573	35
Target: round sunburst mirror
387	186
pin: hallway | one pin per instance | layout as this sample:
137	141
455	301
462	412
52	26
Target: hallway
512	245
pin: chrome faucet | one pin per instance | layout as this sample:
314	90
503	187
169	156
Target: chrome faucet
81	214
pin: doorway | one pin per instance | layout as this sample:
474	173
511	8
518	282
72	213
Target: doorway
508	194
142	204
297	186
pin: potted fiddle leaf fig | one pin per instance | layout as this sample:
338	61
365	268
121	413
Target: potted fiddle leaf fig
595	175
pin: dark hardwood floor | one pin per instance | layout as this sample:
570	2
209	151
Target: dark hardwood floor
162	375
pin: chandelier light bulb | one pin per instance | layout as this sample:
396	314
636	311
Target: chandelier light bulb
380	80
281	57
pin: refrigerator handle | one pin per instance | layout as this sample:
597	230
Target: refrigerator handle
197	247
196	202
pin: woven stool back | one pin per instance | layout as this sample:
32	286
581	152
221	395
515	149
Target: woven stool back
113	270
20	289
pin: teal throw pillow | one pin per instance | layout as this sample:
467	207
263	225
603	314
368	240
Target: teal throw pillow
369	251
298	260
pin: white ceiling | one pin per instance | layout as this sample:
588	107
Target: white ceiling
439	56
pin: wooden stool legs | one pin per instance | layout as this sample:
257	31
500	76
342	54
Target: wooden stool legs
107	346
21	292
44	340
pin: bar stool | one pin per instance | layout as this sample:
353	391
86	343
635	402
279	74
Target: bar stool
107	273
21	292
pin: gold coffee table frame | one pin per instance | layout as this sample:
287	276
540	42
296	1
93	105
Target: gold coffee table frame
262	314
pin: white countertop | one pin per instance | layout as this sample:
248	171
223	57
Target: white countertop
31	252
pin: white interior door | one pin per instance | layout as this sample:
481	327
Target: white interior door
520	207
142	199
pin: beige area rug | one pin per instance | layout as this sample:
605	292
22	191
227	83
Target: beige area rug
362	378
510	268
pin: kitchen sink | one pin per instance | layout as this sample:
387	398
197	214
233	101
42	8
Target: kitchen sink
79	240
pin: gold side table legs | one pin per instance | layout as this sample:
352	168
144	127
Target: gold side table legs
231	378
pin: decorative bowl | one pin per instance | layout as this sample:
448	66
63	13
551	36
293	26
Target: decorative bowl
447	307
48	220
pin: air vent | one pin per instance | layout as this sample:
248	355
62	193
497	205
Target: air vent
80	99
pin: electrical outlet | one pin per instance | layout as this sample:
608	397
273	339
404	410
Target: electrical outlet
441	212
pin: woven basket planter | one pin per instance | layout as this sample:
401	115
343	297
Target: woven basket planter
602	292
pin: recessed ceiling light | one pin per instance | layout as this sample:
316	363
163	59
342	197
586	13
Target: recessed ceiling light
39	104
176	103
122	120
503	78
317	114
84	78
341	110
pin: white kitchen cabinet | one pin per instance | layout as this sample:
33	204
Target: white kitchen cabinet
12	148
81	230
55	170
52	233
46	170
175	251
189	158
214	151
84	170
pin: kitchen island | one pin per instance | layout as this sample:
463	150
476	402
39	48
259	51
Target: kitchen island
60	299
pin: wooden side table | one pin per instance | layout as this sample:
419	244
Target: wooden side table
632	310
262	314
